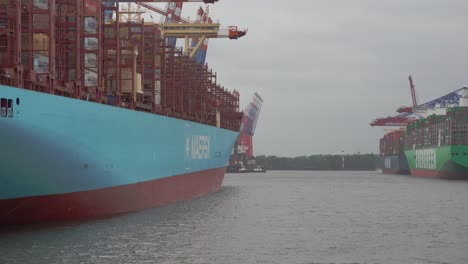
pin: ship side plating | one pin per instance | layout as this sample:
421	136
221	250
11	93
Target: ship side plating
56	145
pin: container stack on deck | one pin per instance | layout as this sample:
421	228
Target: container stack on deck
392	143
458	124
392	153
78	47
439	130
88	50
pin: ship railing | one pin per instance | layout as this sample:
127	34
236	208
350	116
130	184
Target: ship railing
5	80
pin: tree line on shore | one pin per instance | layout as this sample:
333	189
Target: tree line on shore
362	162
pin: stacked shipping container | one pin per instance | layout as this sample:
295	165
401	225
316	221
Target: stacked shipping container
392	143
438	145
392	156
78	47
439	130
10	42
102	58
458	122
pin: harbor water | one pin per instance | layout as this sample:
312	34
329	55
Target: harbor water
274	217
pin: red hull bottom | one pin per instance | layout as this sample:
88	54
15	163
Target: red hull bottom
390	171
439	174
108	201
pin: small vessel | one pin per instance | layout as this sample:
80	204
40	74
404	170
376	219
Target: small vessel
242	170
259	169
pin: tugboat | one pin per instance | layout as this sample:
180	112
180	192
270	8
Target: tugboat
259	169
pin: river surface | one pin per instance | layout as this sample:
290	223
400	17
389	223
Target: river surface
275	217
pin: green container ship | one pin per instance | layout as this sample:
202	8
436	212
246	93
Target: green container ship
437	146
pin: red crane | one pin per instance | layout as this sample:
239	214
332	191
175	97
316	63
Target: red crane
407	112
413	92
409	109
392	121
243	150
160	11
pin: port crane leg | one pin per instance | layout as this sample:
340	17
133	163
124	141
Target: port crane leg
196	48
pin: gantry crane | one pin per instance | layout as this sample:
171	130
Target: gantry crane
409	109
407	113
204	51
243	155
174	10
161	11
171	14
399	121
201	30
202	17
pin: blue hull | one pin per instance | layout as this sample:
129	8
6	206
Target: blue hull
395	164
55	145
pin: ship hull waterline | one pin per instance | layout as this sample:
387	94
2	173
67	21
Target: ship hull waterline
395	172
447	162
450	171
395	165
110	201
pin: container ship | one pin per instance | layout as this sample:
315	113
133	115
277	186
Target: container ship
101	114
437	146
392	156
433	139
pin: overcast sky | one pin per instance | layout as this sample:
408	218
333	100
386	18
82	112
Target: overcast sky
327	68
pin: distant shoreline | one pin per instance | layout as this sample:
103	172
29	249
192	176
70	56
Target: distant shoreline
354	162
318	170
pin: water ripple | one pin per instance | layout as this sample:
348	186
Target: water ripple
277	217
